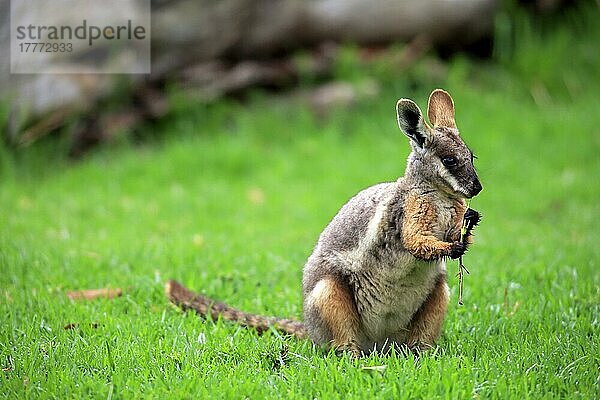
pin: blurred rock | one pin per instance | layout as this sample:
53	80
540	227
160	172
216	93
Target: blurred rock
330	96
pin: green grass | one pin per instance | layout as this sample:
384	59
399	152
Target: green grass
230	199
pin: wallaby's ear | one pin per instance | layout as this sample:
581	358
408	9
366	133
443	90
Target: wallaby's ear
410	121
440	109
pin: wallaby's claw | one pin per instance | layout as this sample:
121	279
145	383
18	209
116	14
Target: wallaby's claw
350	347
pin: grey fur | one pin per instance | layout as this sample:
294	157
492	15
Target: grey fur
362	247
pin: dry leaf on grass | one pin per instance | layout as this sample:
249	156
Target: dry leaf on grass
91	294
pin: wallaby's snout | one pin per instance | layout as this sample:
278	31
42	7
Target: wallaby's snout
476	188
472	185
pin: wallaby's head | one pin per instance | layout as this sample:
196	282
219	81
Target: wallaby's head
439	157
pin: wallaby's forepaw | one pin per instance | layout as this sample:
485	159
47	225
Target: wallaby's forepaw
458	249
472	218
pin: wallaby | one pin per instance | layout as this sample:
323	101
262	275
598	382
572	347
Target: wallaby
377	277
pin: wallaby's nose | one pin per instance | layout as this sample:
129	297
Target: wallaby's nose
476	188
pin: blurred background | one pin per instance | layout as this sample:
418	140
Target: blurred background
322	54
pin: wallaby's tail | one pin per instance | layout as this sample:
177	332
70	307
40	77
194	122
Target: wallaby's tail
188	300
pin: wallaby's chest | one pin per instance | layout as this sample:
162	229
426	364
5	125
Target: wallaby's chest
388	298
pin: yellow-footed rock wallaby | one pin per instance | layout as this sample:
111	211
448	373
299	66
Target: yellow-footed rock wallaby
377	277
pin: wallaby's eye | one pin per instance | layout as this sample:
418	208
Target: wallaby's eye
449	161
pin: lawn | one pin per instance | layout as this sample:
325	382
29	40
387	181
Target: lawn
229	198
